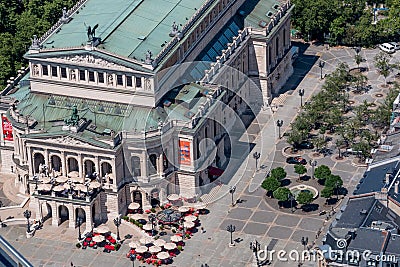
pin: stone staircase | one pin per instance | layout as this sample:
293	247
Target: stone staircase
210	197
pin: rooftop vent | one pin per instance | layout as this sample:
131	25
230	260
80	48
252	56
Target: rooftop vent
117	110
52	101
101	109
363	212
262	24
276	6
269	14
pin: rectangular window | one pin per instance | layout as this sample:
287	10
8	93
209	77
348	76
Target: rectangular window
63	73
119	80
45	70
91	76
138	82
82	75
129	81
54	71
101	77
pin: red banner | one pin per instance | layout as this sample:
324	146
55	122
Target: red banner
7	129
184	150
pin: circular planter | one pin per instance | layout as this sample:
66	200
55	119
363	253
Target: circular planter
302	187
287	152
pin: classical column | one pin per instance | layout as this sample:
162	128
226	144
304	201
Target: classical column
161	165
96	165
71	215
80	166
63	164
46	157
30	160
144	165
54	214
89	219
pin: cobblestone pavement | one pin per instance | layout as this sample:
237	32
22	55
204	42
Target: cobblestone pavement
252	217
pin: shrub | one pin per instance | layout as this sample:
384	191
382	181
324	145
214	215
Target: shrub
78	245
173	230
140	225
125	218
179	248
161	227
117	246
153	210
132	220
187	235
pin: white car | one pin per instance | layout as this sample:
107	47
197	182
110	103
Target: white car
386	47
396	45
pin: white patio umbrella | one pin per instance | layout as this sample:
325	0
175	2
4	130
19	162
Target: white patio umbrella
173	197
45	180
101	229
176	238
147	227
134	206
134	244
73	174
163	255
190	218
61	179
199	205
141	249
136	216
98	238
188	224
67	186
170	246
146	240
81	187
155	249
58	188
94	184
76	180
159	242
44	187
183	209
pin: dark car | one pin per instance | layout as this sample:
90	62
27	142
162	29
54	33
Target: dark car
296	160
304	145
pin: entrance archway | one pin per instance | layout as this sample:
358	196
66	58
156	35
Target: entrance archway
46	211
153	164
63	213
38	159
80	213
89	168
137	197
155	198
56	163
73	165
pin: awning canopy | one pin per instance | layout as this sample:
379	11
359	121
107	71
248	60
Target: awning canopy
215	171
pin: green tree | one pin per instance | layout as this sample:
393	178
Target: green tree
358	59
270	184
327	192
278	173
305	197
333	181
300	169
282	194
322	172
382	63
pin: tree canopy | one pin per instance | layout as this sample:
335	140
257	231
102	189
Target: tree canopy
322	172
304	197
278	173
270	184
19	21
282	194
300	169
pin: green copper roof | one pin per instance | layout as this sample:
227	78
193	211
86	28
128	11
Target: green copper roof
258	16
127	28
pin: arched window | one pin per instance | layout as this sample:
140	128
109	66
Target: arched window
153	164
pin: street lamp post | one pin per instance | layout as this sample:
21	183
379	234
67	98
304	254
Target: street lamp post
313	163
231	228
304	241
79	221
232	190
357	49
256	156
279	123
291	198
117	222
321	64
301	94
27	215
152	219
133	258
255	247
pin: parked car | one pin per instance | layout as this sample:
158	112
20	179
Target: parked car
304	145
396	45
296	160
386	47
